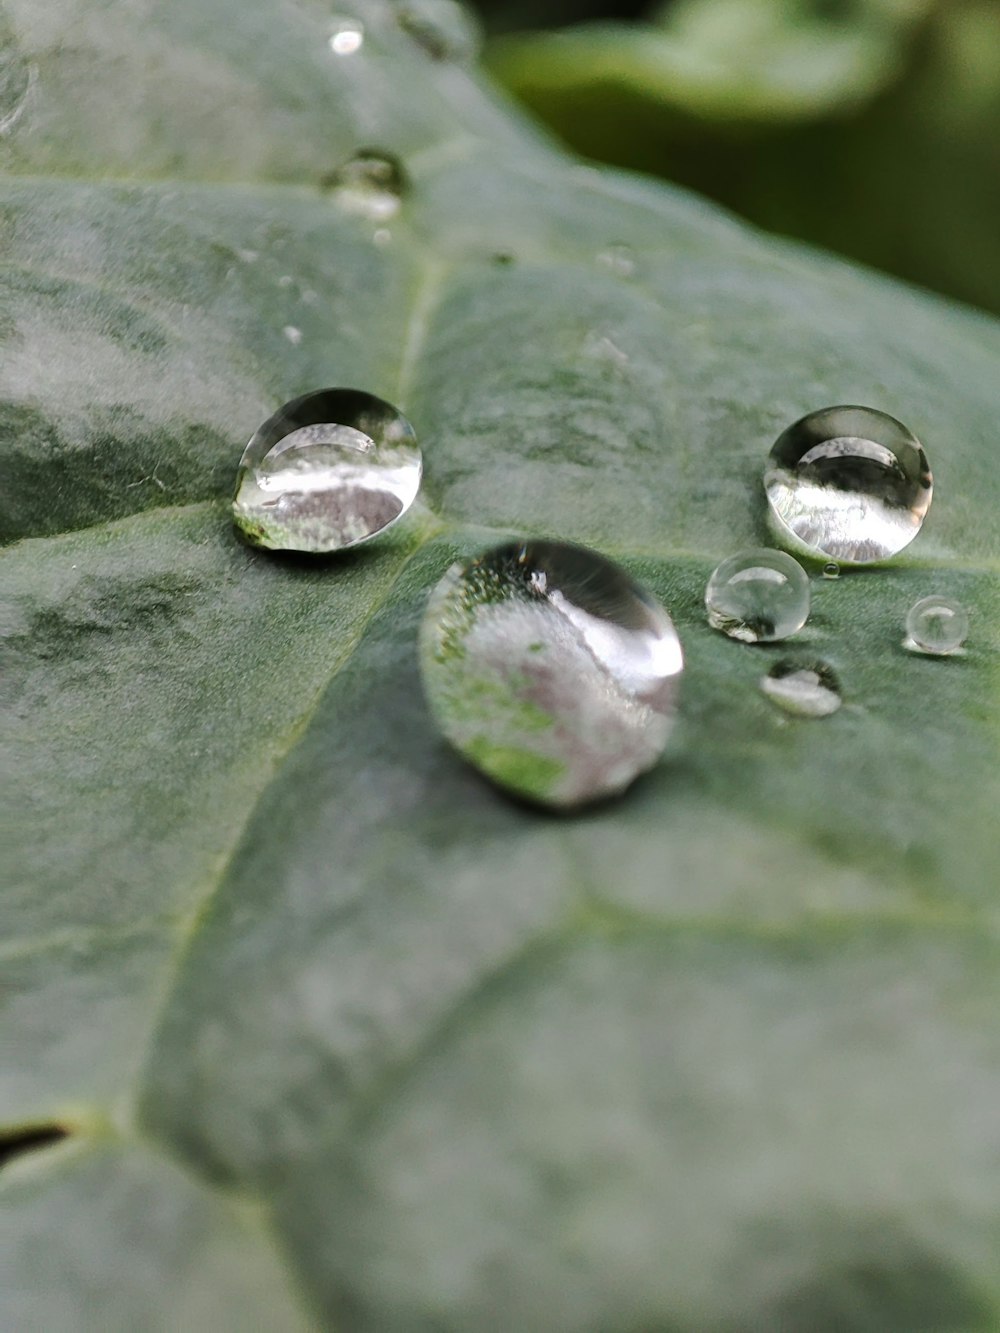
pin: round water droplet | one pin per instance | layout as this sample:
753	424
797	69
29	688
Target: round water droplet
347	36
444	28
16	78
807	689
847	483
548	668
936	625
371	185
329	470
619	258
758	596
831	570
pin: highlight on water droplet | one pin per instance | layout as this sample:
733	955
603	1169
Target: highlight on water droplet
937	626
619	258
347	36
328	471
806	689
444	28
848	484
371	184
831	570
550	670
758	596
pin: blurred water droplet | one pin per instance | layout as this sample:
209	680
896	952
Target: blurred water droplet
382	237
831	570
293	334
444	28
937	626
347	36
553	672
807	689
17	76
602	348
758	596
847	483
371	184
329	470
619	258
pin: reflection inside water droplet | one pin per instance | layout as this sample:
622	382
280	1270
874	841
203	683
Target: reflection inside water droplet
551	670
831	570
347	36
937	626
758	596
444	28
807	689
329	470
847	483
371	185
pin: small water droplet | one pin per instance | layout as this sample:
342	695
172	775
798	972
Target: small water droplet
758	596
286	280
831	570
807	689
329	470
382	237
936	625
602	348
619	258
444	29
17	77
293	334
371	185
347	35
249	256
551	670
847	483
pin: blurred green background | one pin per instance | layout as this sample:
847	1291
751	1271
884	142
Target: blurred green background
871	127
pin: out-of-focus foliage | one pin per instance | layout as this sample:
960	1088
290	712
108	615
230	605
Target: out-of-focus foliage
869	126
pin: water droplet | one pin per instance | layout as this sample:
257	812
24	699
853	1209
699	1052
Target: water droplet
371	185
847	483
758	596
619	258
382	237
831	570
17	76
347	36
444	29
936	625
552	671
293	334
807	689
329	470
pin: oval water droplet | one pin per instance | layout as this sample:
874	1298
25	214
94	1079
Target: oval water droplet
758	596
807	689
347	36
16	78
327	471
371	184
553	672
937	626
444	28
831	570
619	258
848	484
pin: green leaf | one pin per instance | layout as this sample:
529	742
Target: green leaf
341	1037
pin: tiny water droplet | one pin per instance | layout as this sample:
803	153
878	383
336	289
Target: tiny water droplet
847	483
553	672
371	185
831	570
937	626
327	471
293	334
807	689
758	596
444	29
619	258
382	237
347	36
17	77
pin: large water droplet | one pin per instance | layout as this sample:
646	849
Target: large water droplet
347	36
848	484
371	185
936	625
758	596
329	470
16	77
444	28
552	671
807	689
